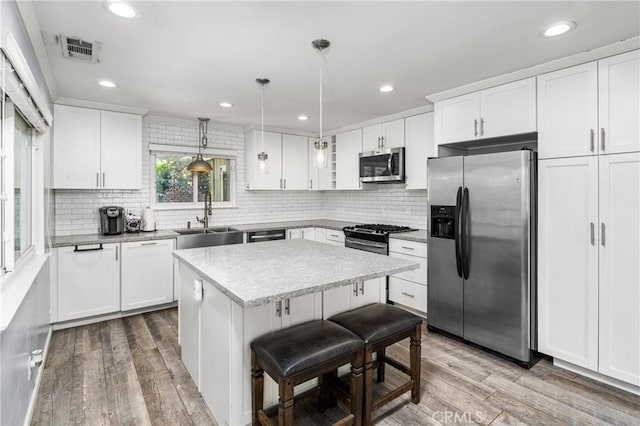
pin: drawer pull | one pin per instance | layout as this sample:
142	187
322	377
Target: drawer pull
408	295
76	249
408	248
148	244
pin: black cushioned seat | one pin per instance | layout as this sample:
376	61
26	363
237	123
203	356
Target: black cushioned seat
303	346
381	325
296	354
376	322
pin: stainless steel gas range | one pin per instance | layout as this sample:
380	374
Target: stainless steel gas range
371	237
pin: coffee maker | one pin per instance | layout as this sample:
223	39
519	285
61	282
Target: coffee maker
111	220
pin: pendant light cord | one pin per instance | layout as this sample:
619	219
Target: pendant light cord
320	97
262	116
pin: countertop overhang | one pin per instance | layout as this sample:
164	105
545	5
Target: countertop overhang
256	274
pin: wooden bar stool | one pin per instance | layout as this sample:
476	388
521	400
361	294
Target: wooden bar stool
381	325
299	353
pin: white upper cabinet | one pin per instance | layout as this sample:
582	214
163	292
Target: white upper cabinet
319	179
457	119
348	146
568	112
508	109
295	167
384	135
120	150
499	111
619	103
273	148
619	274
104	147
419	146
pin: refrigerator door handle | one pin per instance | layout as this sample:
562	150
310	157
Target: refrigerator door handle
458	232
465	242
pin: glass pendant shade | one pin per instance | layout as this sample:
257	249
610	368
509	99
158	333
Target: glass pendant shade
320	154
199	165
263	163
263	157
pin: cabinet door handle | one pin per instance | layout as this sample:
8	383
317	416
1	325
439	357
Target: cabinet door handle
355	289
602	232
104	180
280	183
602	139
408	248
279	308
76	249
408	295
593	233
116	252
475	127
362	288
285	183
381	141
149	244
591	138
287	306
481	126
97	179
311	183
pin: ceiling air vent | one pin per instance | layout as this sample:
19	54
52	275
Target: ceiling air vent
76	48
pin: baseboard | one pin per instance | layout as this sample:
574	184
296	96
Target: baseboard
114	315
628	387
36	387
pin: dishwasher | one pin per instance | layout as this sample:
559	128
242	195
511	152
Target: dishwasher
258	236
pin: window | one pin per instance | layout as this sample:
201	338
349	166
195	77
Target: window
176	187
16	182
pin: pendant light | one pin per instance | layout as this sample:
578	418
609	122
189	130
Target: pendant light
263	157
320	145
199	165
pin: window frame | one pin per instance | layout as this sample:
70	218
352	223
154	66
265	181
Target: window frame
155	149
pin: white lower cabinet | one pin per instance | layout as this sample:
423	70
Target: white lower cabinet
409	288
341	299
190	285
147	273
88	280
588	269
304	233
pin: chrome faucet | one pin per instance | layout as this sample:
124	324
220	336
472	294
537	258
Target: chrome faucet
208	211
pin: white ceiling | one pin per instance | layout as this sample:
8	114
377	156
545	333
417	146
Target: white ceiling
182	58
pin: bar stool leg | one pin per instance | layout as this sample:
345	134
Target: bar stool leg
381	364
257	382
415	354
327	398
356	388
285	403
368	385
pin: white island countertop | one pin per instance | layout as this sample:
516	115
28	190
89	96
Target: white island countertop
258	273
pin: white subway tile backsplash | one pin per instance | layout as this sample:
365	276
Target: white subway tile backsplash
76	211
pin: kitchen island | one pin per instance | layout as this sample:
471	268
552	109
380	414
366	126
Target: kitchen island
229	295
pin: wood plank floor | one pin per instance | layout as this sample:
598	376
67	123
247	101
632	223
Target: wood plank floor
128	372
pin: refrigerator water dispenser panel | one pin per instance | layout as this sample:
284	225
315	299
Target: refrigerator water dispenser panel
443	222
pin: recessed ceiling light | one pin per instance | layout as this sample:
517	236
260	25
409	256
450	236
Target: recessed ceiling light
123	10
226	104
106	83
559	28
386	88
303	117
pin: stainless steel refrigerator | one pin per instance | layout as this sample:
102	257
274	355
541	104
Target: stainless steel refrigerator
482	250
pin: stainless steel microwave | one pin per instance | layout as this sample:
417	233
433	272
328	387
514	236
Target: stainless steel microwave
385	165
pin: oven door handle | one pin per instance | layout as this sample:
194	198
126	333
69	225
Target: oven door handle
371	247
458	231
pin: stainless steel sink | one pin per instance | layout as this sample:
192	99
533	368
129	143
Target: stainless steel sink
215	236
